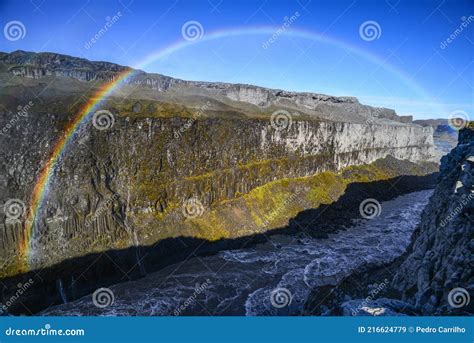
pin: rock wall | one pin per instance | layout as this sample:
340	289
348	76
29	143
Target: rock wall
123	186
129	184
438	273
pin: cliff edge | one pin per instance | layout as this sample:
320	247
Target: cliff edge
438	273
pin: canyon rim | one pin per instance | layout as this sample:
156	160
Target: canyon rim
164	169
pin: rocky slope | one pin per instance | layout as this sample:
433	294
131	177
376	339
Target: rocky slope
435	276
180	158
440	263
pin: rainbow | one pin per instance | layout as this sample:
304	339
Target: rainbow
84	115
43	181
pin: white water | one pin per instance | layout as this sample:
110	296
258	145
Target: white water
61	291
242	281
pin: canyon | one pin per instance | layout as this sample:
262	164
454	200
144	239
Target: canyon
181	168
435	275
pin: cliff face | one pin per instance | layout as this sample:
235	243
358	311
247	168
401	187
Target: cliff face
138	175
247	97
438	273
169	166
435	274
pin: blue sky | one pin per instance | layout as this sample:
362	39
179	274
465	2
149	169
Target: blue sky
407	65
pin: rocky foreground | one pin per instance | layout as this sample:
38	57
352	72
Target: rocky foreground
442	255
174	161
436	274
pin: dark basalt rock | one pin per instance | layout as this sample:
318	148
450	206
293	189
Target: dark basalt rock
441	258
435	276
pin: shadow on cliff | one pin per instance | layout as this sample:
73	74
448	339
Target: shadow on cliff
74	278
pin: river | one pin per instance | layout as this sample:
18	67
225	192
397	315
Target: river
272	278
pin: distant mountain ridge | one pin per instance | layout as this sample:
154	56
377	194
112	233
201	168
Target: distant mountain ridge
244	97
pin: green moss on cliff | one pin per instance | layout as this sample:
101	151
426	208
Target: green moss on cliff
265	207
271	205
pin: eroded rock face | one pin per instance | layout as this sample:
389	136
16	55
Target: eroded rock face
139	170
438	274
126	185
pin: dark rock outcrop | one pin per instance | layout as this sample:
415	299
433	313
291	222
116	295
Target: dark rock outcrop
440	263
435	276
